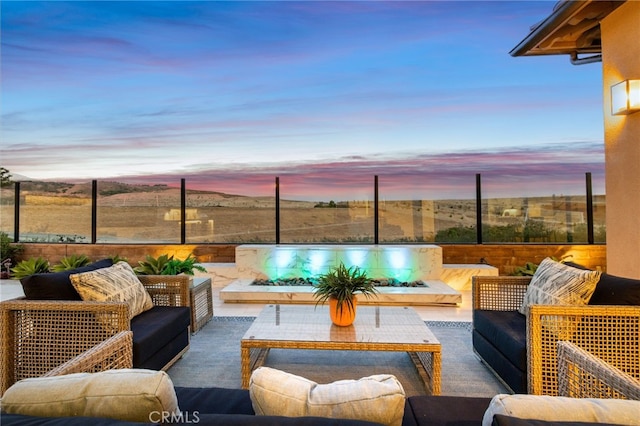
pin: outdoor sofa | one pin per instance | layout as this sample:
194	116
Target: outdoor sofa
584	376
52	324
521	348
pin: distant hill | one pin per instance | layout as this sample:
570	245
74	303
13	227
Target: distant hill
105	188
123	194
48	188
16	177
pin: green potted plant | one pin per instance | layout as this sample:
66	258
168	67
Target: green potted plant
339	286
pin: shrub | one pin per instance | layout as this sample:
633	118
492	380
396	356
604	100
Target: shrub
36	265
116	258
9	250
71	262
167	265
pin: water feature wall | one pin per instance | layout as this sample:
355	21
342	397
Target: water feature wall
402	262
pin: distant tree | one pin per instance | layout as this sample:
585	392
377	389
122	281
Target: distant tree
457	234
331	204
5	177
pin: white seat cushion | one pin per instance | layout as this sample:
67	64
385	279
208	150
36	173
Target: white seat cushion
562	409
134	395
379	398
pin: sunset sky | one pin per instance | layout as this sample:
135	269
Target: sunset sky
324	95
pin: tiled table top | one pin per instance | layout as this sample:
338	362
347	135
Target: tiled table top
312	323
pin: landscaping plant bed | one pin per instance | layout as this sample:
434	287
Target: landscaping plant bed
383	282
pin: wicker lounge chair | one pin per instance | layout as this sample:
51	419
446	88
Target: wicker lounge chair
40	335
609	332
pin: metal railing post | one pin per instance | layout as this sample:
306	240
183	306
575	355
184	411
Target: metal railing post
16	212
183	211
376	212
590	237
277	210
478	209
94	211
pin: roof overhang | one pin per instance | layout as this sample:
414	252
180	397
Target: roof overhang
573	28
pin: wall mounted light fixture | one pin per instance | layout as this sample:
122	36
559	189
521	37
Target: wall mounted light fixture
625	97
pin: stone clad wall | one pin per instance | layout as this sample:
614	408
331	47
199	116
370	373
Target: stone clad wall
506	257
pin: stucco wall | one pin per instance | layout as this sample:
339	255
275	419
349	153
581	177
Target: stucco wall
621	61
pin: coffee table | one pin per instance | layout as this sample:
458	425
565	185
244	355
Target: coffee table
375	329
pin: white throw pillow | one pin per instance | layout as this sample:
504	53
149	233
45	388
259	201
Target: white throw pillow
134	395
554	283
379	398
117	283
562	409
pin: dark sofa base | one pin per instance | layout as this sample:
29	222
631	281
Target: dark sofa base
511	376
168	355
446	410
160	336
499	339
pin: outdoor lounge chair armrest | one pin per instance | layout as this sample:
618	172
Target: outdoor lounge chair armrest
167	290
608	332
498	293
22	303
115	352
583	375
115	314
39	335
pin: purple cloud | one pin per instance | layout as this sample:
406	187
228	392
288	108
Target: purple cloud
512	172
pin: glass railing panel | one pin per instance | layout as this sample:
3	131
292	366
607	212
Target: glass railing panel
599	219
7	209
534	209
328	210
599	208
233	212
55	212
137	213
427	208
